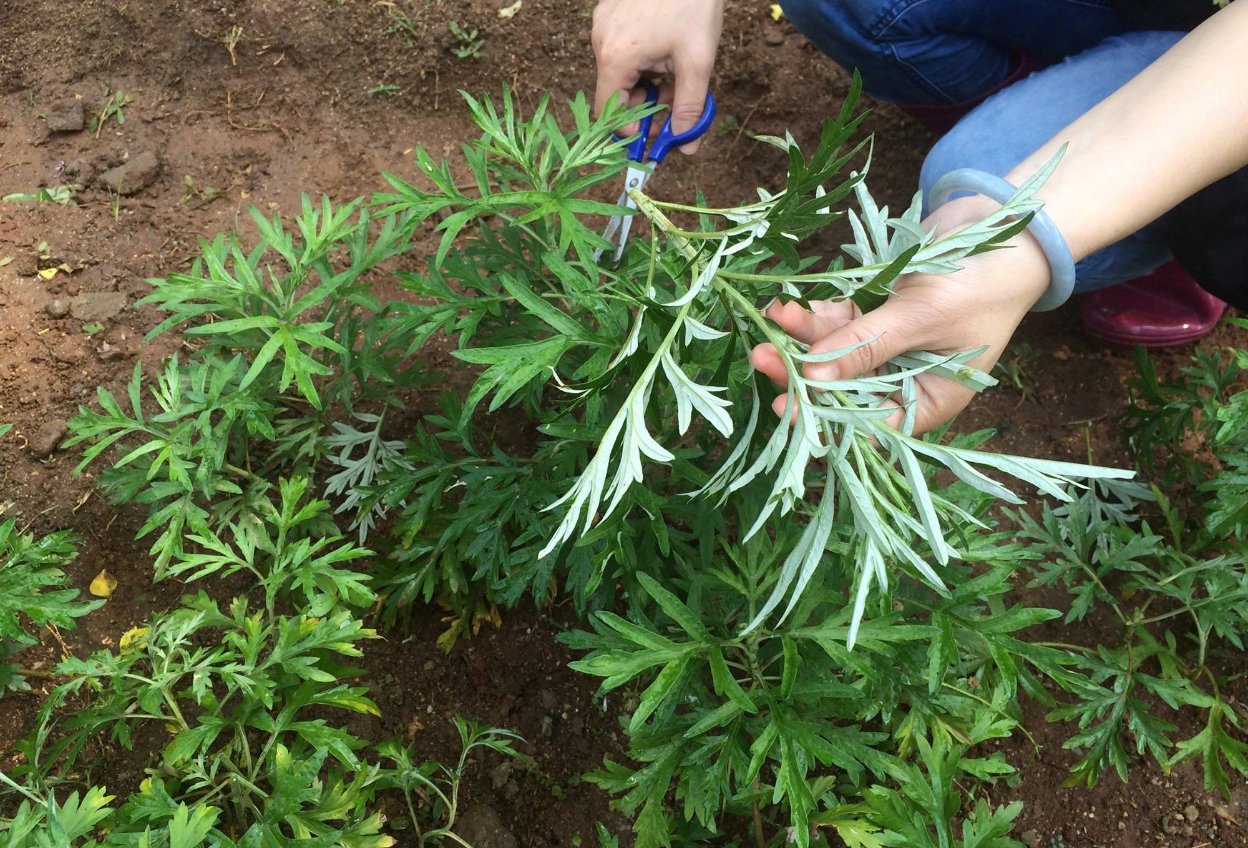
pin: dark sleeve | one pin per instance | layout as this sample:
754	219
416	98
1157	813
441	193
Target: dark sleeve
1208	234
1178	15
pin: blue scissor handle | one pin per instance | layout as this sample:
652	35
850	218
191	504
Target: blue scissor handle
666	140
637	150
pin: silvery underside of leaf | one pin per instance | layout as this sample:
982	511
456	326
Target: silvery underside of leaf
361	455
876	475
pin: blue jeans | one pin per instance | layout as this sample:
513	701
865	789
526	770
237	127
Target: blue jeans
944	52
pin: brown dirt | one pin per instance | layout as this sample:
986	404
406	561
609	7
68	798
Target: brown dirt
291	112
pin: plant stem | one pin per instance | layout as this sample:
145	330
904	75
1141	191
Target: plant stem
1065	646
22	789
42	675
759	836
994	708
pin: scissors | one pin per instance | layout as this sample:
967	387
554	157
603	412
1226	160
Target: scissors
639	155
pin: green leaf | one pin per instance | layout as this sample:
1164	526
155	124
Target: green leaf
685	617
663	687
1213	744
189	827
511	369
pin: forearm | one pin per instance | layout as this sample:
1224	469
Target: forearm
1178	126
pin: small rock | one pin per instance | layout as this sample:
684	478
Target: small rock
1191	813
1172	824
500	775
1030	838
482	828
47	439
80	171
97	306
108	353
548	699
774	37
135	175
26	264
68	351
57	308
65	116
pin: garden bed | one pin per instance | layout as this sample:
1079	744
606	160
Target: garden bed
254	104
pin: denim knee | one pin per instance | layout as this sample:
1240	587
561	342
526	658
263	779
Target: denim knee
864	35
859	20
848	32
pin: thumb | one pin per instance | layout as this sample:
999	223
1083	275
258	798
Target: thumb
873	339
693	78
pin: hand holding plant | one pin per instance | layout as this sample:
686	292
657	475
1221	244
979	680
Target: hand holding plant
980	305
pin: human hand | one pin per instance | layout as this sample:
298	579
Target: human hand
677	37
982	304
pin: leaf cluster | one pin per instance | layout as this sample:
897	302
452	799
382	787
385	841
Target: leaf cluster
642	475
33	592
1180	592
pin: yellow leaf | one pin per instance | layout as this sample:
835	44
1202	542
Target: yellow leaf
103	585
5	261
48	273
133	640
510	11
776	12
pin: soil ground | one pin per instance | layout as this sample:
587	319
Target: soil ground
321	96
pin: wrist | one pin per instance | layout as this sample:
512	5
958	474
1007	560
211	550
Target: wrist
1038	225
1020	263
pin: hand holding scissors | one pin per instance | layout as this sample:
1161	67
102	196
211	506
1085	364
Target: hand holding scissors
644	150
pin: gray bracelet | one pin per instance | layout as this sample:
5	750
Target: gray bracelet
1046	233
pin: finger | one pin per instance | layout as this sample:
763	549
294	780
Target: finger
637	97
767	360
780	404
876	337
809	326
667	93
693	78
617	75
939	404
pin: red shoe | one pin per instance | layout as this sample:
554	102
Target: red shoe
1161	309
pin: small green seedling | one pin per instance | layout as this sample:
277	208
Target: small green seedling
732	125
230	40
468	44
62	195
113	108
114	202
403	26
92	329
1015	368
391	90
204	195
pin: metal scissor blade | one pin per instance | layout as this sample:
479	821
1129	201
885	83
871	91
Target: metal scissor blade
634	178
619	225
613	223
